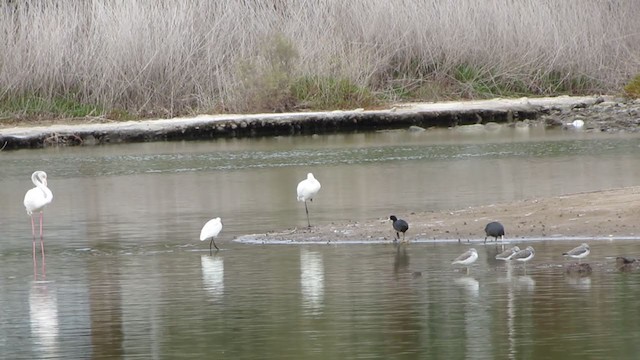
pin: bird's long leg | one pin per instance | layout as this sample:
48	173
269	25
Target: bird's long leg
403	237
42	247
307	210
214	244
35	263
485	239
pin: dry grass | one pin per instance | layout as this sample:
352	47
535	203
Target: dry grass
170	57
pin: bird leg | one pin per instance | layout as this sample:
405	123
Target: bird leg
307	210
42	246
214	244
485	239
35	262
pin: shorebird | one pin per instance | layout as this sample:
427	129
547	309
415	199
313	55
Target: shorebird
307	190
400	226
524	256
467	258
494	229
578	252
507	254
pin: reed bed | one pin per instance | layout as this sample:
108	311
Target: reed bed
166	57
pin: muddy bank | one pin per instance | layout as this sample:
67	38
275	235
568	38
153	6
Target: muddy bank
598	113
601	214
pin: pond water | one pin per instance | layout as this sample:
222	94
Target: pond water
126	276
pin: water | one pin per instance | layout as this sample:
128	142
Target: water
126	276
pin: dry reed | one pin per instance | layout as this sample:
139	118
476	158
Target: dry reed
170	57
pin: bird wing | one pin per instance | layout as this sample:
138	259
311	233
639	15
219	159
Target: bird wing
522	254
463	257
577	251
211	229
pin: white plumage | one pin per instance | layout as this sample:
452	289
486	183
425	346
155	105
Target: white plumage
38	197
35	201
210	230
307	190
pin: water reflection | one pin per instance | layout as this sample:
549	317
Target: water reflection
137	292
213	275
311	281
401	259
43	317
578	282
469	284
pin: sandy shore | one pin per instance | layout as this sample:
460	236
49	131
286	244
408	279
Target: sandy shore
609	213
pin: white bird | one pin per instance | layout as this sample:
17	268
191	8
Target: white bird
466	259
507	254
211	230
35	200
307	190
524	256
578	252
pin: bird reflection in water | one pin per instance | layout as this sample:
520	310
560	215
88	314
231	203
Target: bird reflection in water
213	276
401	259
312	281
43	317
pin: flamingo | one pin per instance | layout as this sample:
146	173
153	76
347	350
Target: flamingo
211	230
307	190
35	200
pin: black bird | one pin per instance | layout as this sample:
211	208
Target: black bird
494	229
400	226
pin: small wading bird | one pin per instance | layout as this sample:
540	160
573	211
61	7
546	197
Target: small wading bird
211	230
524	256
400	226
578	252
35	200
307	190
494	229
507	254
466	259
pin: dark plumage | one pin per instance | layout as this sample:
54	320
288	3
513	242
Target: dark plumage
400	226
494	229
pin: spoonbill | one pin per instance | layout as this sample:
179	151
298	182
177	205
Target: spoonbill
307	190
494	229
211	230
35	200
400	226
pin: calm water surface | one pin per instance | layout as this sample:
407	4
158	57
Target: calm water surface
126	276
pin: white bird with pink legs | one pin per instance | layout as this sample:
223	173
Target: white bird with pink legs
35	200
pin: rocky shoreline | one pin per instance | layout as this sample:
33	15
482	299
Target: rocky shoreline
598	114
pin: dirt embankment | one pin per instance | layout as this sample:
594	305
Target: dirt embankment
594	214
